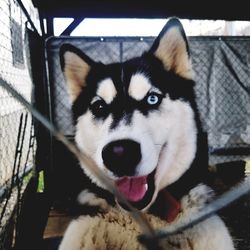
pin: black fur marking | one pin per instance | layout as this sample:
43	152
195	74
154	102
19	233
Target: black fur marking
123	106
97	73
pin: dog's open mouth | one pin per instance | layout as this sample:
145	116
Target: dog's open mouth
138	190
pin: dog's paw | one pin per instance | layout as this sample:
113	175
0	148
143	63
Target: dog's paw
88	198
197	198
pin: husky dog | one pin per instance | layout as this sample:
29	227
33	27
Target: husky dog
139	122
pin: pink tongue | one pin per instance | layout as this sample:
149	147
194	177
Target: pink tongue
133	188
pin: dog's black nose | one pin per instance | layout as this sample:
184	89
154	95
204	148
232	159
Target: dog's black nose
122	157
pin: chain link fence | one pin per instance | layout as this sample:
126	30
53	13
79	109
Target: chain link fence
17	141
222	75
223	92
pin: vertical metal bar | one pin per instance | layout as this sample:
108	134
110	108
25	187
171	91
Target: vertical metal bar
121	51
41	17
50	26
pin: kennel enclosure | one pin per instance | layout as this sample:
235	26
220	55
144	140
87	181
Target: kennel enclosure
29	62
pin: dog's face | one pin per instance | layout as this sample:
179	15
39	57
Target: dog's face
135	119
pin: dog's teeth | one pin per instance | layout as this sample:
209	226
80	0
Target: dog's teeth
146	187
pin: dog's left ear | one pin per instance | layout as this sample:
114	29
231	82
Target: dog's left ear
171	47
76	66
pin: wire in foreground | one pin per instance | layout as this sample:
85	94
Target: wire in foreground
83	158
209	210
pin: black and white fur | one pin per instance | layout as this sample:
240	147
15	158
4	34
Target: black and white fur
139	118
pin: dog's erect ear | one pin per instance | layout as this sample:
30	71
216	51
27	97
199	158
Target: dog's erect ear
171	48
76	66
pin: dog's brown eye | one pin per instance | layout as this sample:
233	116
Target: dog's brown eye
99	108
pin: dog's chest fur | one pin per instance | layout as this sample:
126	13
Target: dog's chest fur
113	228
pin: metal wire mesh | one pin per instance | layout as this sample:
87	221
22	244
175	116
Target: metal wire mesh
222	89
231	126
150	234
222	84
16	129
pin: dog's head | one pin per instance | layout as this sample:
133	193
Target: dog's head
136	119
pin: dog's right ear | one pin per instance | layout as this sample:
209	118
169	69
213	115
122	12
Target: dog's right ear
75	66
171	47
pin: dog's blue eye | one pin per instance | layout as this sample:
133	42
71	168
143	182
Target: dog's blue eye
153	99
